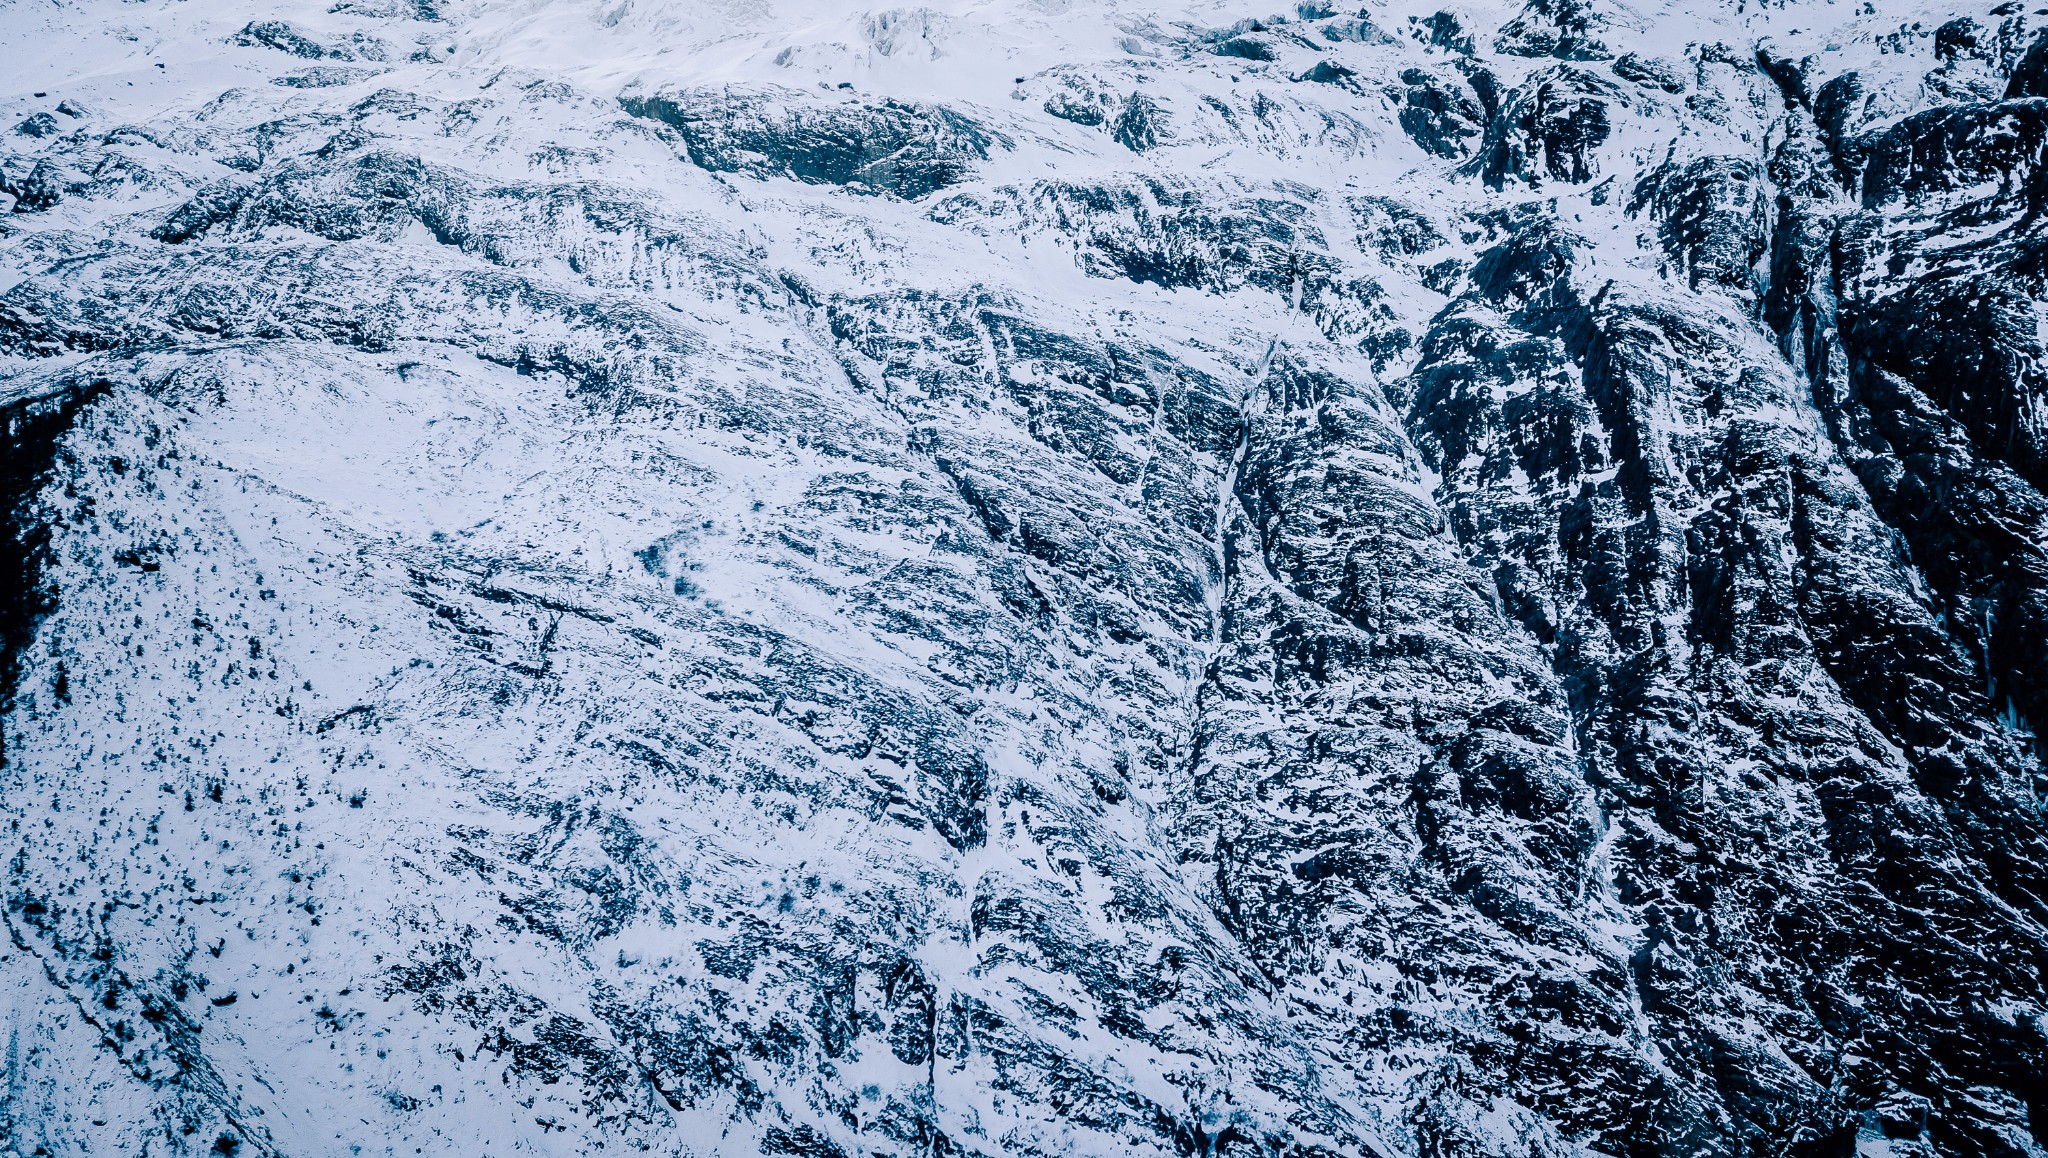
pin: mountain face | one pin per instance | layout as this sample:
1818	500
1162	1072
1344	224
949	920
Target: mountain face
1024	577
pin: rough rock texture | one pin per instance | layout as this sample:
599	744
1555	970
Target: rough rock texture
1023	578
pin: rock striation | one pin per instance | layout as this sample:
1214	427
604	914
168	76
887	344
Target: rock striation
1024	578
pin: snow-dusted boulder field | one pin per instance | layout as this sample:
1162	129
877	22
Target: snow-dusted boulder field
1011	578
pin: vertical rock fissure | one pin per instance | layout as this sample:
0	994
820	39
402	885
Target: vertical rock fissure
30	430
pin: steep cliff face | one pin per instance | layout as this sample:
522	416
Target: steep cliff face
1023	579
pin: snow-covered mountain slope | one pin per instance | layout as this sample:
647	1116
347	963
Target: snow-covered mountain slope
1022	577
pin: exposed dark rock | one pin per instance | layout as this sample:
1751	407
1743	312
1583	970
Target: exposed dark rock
32	428
2030	76
38	125
1068	107
286	37
1441	118
1139	125
1445	31
1649	71
209	207
1994	147
901	149
324	77
41	184
1789	75
1547	129
1959	38
1246	48
1711	219
1560	28
1837	112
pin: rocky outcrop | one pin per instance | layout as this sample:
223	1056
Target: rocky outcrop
34	423
901	149
1547	130
1005	583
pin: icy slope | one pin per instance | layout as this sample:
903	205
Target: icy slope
1023	578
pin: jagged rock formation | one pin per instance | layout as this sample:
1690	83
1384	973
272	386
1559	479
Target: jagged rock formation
1024	579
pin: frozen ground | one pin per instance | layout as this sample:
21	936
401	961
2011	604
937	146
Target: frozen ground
1022	578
